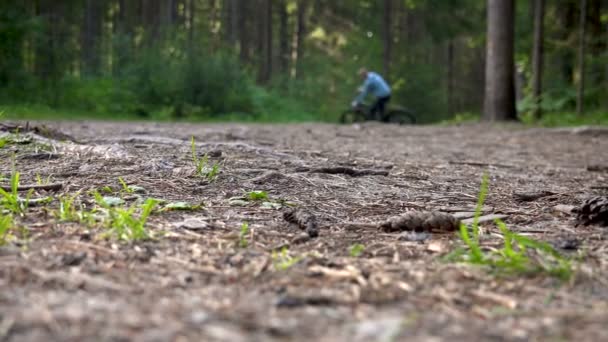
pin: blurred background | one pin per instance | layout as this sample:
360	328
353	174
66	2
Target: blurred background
285	60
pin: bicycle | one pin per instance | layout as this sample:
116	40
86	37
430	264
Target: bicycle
393	114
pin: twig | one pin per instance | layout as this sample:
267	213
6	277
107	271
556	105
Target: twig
344	170
474	163
47	187
485	218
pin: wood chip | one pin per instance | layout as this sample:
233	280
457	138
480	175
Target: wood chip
565	209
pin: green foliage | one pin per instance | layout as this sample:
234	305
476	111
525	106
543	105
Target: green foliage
125	188
199	84
559	119
6	224
68	212
461	118
11	201
243	242
356	250
41	181
122	223
283	261
185	206
201	165
256	195
519	255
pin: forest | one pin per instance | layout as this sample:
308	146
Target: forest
296	60
203	170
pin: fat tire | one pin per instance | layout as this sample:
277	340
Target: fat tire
352	116
401	117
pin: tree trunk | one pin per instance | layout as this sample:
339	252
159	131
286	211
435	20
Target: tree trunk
91	36
265	41
300	37
388	37
581	59
567	23
537	56
244	33
606	65
596	41
268	44
235	17
450	79
499	101
191	12
283	38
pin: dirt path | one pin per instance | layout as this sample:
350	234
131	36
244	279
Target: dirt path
194	282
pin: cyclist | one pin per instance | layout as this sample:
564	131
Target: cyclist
377	86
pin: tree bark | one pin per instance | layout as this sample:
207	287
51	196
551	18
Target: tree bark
235	17
300	37
283	37
244	33
581	59
537	56
388	38
265	41
567	23
91	35
268	44
191	13
606	65
499	97
450	79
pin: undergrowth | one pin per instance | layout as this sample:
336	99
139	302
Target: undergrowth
519	254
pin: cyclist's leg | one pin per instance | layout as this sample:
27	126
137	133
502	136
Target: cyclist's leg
382	107
374	111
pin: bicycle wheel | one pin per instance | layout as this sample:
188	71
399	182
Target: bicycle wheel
352	116
400	116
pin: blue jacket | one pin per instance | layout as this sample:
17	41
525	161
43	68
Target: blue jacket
375	85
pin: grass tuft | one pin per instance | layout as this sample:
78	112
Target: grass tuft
6	224
356	250
123	224
11	201
519	254
201	165
243	242
283	261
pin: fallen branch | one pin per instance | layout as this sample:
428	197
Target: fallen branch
530	196
482	164
597	168
47	187
344	170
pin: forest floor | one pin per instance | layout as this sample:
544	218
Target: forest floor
199	278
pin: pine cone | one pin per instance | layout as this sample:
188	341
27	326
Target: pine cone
304	219
593	211
421	221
